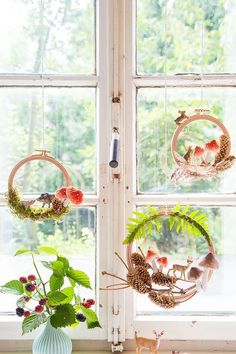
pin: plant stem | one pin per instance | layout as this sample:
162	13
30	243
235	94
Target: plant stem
40	278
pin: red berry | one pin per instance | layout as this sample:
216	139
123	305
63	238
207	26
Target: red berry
39	308
26	314
27	298
30	287
86	305
32	277
43	301
91	301
23	280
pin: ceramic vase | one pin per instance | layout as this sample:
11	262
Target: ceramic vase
52	341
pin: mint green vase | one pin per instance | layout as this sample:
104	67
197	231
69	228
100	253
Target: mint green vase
52	341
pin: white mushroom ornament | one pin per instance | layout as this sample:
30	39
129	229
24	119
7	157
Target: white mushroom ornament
209	263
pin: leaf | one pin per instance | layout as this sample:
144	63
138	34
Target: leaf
177	208
64	261
46	264
69	292
64	316
91	317
32	322
23	251
58	268
172	222
55	297
56	282
79	277
13	287
185	210
48	250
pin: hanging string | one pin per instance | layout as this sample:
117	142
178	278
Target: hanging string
165	87
42	72
202	53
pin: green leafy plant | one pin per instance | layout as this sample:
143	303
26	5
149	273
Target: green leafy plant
181	218
56	299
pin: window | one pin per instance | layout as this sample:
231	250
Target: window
181	58
64	35
130	64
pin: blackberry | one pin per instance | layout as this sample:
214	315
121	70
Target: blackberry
20	311
30	287
43	301
39	308
23	280
80	317
32	277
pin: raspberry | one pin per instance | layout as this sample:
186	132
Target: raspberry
32	277
23	280
39	308
27	298
30	287
91	301
86	305
43	301
80	317
26	314
20	311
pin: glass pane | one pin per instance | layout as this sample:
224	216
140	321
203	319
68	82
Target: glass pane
216	299
184	32
75	238
67	37
70	121
155	130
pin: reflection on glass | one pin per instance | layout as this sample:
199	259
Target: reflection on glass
75	237
220	294
184	27
69	135
155	130
67	39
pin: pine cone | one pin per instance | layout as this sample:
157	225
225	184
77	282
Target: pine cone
224	149
163	279
57	206
165	301
136	283
137	259
225	164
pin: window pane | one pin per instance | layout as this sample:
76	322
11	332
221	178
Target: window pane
217	299
74	237
155	130
184	22
69	134
67	38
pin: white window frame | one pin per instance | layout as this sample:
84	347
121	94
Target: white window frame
10	326
200	332
116	195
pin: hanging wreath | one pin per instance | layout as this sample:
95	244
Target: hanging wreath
166	285
201	162
46	206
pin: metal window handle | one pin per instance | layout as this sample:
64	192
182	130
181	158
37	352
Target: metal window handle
115	149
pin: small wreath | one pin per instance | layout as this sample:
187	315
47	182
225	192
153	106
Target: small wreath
57	204
166	286
201	162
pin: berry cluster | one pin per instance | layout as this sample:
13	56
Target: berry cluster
30	282
88	303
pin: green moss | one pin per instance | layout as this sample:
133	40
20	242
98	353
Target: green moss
29	212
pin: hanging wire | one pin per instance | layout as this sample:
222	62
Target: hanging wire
165	88
202	53
42	72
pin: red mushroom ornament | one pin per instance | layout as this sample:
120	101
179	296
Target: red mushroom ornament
74	195
61	193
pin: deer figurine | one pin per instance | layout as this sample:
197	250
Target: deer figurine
151	344
181	268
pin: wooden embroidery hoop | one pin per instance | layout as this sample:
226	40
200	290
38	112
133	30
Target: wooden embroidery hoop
179	298
193	118
41	156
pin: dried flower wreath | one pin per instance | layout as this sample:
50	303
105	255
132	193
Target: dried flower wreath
201	162
145	273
